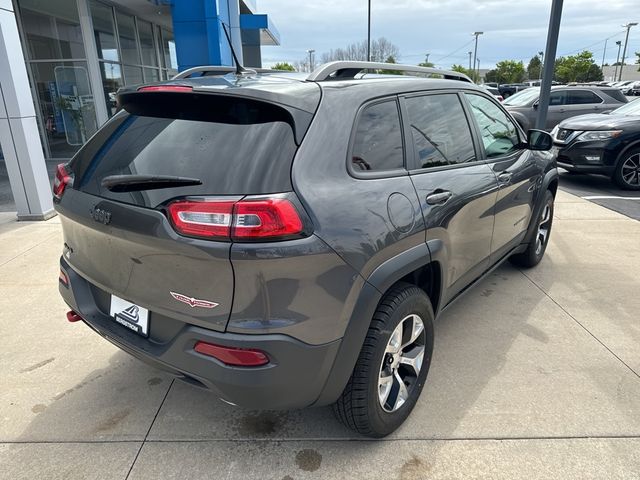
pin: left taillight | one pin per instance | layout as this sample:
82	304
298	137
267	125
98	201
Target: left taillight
264	219
62	179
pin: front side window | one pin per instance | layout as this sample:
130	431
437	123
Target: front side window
499	134
440	131
378	140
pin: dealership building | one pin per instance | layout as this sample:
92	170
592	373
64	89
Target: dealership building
62	62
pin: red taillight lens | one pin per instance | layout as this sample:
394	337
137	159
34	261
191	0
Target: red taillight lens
202	219
166	88
265	219
238	357
61	180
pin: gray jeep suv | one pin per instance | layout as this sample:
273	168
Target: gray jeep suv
287	241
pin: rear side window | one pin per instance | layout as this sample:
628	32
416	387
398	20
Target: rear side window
582	97
441	134
377	145
617	94
557	98
232	146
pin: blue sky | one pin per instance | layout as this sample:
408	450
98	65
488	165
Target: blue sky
513	29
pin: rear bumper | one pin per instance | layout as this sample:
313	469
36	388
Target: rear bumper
294	377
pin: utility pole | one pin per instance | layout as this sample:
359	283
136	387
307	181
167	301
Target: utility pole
550	53
475	51
626	41
310	52
369	32
604	54
478	71
470	53
615	71
427	55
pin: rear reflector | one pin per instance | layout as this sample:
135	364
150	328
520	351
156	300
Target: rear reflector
62	179
73	316
166	88
63	278
264	219
238	357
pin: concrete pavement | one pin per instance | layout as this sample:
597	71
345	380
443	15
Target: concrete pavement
534	375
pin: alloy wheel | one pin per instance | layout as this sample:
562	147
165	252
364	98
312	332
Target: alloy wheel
543	228
631	170
401	363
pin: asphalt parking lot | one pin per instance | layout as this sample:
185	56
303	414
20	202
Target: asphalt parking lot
601	190
535	375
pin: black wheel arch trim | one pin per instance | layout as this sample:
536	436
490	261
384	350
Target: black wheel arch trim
379	282
632	146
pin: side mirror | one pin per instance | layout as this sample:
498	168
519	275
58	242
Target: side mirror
539	140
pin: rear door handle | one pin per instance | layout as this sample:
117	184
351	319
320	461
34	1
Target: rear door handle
439	197
505	178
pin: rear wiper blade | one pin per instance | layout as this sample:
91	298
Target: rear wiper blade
132	183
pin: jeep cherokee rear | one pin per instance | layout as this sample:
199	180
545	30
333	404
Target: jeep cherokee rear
287	242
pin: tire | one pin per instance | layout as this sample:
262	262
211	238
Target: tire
627	174
360	406
538	245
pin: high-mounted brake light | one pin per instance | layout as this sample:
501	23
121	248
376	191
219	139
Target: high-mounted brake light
246	220
61	180
238	357
166	88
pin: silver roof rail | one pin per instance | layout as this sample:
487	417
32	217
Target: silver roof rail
349	69
218	70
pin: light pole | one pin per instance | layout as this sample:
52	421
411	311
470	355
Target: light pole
604	54
470	53
615	71
624	50
549	52
478	71
475	51
427	56
310	52
541	53
369	31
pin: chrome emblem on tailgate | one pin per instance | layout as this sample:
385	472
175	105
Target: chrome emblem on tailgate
193	302
101	216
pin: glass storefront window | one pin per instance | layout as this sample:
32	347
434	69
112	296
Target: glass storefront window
104	31
67	105
169	50
52	29
132	75
151	75
111	82
147	46
128	42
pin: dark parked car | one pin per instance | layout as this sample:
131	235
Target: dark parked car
287	241
564	102
606	144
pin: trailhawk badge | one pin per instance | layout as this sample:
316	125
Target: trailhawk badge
193	302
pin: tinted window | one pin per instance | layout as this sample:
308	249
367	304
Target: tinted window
441	134
242	148
582	97
378	141
499	134
617	94
557	97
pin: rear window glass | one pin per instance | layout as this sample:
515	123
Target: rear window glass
615	94
242	148
582	97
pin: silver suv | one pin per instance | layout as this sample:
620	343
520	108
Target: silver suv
564	102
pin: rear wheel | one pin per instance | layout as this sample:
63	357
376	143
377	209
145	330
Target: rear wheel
627	174
538	245
393	364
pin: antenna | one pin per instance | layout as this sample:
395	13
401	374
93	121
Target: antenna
240	70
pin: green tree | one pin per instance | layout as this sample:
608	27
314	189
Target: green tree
391	59
509	71
578	68
473	75
284	66
638	59
534	69
426	63
491	76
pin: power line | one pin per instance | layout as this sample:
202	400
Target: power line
454	52
579	50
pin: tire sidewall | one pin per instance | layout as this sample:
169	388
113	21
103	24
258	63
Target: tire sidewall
383	422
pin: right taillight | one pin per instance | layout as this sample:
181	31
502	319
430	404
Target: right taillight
245	220
62	179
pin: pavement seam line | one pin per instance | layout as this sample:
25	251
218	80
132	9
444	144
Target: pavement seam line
149	429
27	250
580	324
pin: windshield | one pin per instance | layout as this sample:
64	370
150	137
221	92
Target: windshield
632	108
523	98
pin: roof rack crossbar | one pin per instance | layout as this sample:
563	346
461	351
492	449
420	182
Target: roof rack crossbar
217	70
341	70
